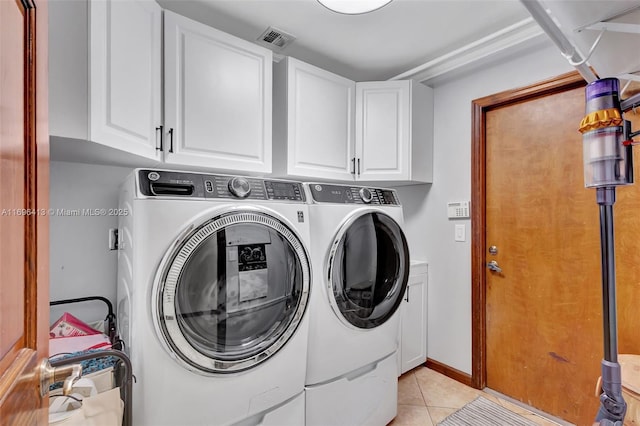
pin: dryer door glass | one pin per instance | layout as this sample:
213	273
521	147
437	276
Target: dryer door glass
234	292
369	269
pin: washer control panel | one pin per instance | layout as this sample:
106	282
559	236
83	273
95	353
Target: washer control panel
341	194
155	183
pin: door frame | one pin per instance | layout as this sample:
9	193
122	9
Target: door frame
480	107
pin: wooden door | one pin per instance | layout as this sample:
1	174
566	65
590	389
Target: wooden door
24	174
543	323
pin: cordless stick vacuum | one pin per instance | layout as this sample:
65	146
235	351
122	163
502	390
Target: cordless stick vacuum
608	162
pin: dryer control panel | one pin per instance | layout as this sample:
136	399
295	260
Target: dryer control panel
163	183
341	194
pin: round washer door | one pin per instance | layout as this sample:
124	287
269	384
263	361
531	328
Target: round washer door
233	292
368	269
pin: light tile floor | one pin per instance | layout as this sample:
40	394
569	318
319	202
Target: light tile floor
426	397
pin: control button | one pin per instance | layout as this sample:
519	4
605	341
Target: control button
239	187
365	195
153	176
208	186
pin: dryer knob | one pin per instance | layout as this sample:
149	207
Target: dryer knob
239	187
365	194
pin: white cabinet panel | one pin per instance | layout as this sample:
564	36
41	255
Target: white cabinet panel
394	131
125	70
217	98
383	130
413	335
313	122
105	77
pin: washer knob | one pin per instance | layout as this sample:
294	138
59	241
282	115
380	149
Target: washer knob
366	195
239	187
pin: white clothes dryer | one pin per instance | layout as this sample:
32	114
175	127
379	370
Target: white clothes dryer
213	284
361	268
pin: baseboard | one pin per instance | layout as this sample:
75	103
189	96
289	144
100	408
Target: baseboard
450	372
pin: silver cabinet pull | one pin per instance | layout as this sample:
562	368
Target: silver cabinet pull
493	266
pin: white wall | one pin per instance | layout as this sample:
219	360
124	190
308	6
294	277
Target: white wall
430	233
81	263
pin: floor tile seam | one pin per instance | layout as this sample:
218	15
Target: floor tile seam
415	379
411	405
423	399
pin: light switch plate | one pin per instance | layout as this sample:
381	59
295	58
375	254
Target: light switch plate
460	232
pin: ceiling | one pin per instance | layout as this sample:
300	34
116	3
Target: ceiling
373	46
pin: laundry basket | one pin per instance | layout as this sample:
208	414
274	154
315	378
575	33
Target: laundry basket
630	365
99	360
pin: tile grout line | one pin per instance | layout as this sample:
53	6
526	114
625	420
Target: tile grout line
423	398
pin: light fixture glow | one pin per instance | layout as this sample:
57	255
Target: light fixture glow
353	7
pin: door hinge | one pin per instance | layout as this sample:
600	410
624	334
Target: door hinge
113	239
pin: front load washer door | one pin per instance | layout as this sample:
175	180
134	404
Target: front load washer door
232	292
368	269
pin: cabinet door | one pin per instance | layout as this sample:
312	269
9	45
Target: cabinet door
217	98
321	112
383	130
125	70
413	350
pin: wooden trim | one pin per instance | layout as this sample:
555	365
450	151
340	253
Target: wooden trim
478	304
559	84
480	107
30	247
450	372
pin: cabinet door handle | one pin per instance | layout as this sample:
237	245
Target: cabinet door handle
161	128
353	166
358	167
171	140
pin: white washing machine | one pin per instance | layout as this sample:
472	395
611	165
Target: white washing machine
213	285
360	259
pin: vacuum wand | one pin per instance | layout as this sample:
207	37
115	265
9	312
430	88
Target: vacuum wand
612	404
608	162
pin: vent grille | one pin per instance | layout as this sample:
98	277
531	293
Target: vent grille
276	39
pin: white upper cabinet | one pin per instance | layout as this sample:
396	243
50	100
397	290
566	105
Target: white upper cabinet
394	131
217	98
314	112
383	120
330	127
108	90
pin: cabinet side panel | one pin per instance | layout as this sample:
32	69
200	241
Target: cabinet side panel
68	68
280	139
422	133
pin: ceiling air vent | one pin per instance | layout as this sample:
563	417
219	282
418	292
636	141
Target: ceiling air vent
275	38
